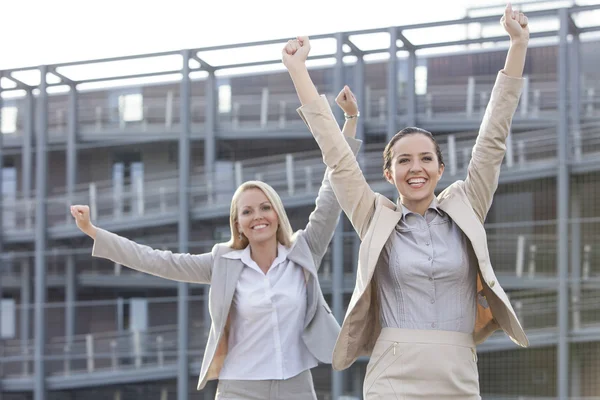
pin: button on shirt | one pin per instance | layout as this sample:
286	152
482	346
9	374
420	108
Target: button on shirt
267	321
425	277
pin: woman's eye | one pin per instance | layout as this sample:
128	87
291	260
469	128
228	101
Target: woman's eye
245	212
402	160
428	158
266	208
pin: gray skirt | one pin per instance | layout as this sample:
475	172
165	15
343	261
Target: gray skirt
422	364
299	387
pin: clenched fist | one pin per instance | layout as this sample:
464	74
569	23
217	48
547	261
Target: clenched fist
515	24
295	52
83	221
347	101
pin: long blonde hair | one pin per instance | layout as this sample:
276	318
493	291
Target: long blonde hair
284	230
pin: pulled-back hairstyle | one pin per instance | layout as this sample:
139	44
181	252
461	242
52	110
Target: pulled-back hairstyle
387	152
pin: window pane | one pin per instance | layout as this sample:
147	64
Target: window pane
7	319
131	107
224	98
421	80
9	119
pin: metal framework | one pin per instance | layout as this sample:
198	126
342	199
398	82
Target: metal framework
398	36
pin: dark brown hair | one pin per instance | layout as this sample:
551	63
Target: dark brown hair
387	152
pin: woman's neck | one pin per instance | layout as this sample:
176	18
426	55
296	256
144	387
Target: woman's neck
264	254
419	206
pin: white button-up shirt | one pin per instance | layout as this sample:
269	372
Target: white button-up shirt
267	321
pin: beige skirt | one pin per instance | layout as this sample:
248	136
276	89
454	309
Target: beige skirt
414	364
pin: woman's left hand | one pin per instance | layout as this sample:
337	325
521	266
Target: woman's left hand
347	101
515	23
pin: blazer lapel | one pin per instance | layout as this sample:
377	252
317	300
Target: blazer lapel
301	256
233	269
387	219
467	221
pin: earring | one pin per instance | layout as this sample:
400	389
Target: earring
240	236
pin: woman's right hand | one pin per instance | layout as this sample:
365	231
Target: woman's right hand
83	221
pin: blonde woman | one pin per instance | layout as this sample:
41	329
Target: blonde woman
426	292
270	322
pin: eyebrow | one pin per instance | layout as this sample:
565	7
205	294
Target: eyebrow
409	155
264	202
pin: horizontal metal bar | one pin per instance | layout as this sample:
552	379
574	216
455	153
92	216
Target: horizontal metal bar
260	43
121	58
483	40
578	9
268	62
132	76
589	29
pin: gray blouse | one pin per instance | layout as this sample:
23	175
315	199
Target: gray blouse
425	277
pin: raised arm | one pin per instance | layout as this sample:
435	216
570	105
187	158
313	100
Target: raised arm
490	147
323	220
165	264
351	188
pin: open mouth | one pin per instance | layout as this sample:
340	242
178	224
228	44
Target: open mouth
259	227
417	183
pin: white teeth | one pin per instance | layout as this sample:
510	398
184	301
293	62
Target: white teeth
416	181
259	226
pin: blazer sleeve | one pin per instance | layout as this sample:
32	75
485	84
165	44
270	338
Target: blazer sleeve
324	219
483	171
347	180
194	268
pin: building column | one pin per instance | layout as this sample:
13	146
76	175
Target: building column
563	209
27	157
359	92
575	84
41	178
411	97
392	85
25	319
70	298
183	374
210	151
337	295
72	148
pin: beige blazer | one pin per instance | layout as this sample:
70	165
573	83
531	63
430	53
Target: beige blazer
308	248
374	218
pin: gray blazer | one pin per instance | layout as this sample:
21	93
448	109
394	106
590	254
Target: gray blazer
308	248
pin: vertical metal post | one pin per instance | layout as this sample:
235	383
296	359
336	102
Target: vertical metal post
411	96
210	93
563	209
337	296
360	93
210	151
25	312
26	156
183	375
70	298
575	67
72	149
41	175
392	84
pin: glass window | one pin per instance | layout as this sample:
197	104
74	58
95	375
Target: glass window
224	98
7	319
131	107
421	80
9	119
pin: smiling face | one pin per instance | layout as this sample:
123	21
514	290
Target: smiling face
257	219
414	169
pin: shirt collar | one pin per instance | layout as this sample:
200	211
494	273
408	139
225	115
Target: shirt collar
245	256
432	206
